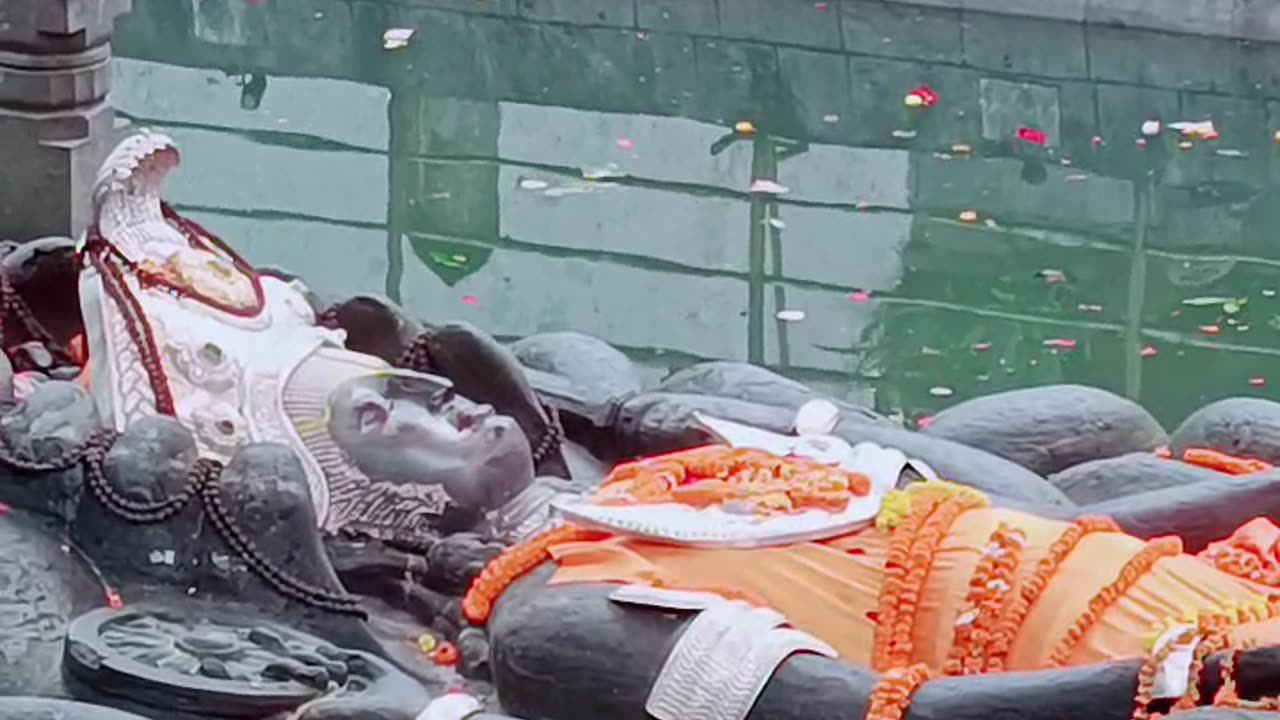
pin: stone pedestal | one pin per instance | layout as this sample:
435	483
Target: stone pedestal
55	123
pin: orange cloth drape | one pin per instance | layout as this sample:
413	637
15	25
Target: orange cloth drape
830	589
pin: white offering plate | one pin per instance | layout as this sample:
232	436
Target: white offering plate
714	528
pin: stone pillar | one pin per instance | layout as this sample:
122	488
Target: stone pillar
55	123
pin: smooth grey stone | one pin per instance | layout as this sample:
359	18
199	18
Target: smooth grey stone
57	417
1051	428
1245	427
454	560
659	422
152	459
599	372
473	646
752	383
30	708
1126	475
1199	513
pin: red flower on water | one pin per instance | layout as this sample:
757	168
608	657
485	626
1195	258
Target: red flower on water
926	94
1060	343
1032	135
1210	329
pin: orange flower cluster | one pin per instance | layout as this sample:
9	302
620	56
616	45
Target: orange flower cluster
1222	462
1034	586
977	630
907	565
513	563
892	695
1130	574
757	481
1243	562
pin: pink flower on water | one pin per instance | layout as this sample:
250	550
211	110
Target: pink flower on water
1033	136
471	299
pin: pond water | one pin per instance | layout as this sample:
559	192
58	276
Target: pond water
537	165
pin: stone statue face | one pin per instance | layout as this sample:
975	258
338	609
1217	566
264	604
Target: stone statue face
415	429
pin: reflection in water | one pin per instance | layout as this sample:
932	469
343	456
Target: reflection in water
566	172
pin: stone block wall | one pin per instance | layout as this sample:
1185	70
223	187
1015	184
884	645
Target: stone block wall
55	126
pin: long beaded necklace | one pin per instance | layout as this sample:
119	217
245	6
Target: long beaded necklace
111	262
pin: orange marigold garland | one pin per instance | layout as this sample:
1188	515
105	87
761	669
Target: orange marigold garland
907	565
892	695
1222	462
1129	575
513	563
988	599
1034	586
760	481
896	561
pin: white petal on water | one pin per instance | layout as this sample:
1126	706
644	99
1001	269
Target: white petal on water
768	187
396	38
528	184
941	391
790	315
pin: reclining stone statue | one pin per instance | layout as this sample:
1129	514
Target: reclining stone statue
178	324
236	443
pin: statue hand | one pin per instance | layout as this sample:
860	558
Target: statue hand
385	693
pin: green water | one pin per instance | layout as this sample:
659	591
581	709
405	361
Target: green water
536	165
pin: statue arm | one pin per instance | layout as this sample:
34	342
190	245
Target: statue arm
1200	513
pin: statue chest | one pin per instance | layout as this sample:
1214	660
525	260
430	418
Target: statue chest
225	373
